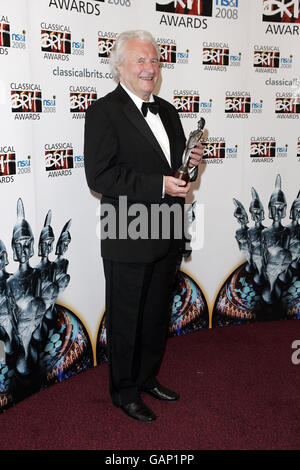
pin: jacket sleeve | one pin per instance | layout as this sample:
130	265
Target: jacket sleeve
103	173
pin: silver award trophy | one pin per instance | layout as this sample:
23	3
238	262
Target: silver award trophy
194	137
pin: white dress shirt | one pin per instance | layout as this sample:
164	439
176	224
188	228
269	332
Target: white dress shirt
157	127
154	122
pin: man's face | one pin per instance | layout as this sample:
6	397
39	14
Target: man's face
140	69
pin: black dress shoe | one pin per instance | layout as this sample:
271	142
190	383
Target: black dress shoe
138	410
161	393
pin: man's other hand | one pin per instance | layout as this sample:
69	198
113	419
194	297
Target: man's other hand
196	155
176	187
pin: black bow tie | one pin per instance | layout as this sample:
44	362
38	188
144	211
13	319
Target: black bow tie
152	106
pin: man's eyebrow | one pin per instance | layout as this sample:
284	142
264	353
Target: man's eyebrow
144	58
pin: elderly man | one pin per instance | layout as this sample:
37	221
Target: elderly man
131	152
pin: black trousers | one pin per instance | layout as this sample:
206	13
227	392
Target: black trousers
138	306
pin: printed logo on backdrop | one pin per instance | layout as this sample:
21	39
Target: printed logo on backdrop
78	6
83	72
106	41
10	166
190	13
288	82
4	32
120	3
57	43
216	151
60	159
84	7
287	105
10	40
27	101
265	150
216	56
284	13
169	54
268	59
189	105
298	149
239	105
81	97
227	9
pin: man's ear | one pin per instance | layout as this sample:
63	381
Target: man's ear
119	68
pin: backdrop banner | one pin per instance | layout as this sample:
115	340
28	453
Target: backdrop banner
232	62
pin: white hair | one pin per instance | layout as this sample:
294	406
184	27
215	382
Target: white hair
117	53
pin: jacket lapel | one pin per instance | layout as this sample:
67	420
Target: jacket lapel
137	119
165	118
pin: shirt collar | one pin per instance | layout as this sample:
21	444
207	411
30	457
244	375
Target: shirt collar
136	99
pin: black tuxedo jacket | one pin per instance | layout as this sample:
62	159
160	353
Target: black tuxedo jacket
123	158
